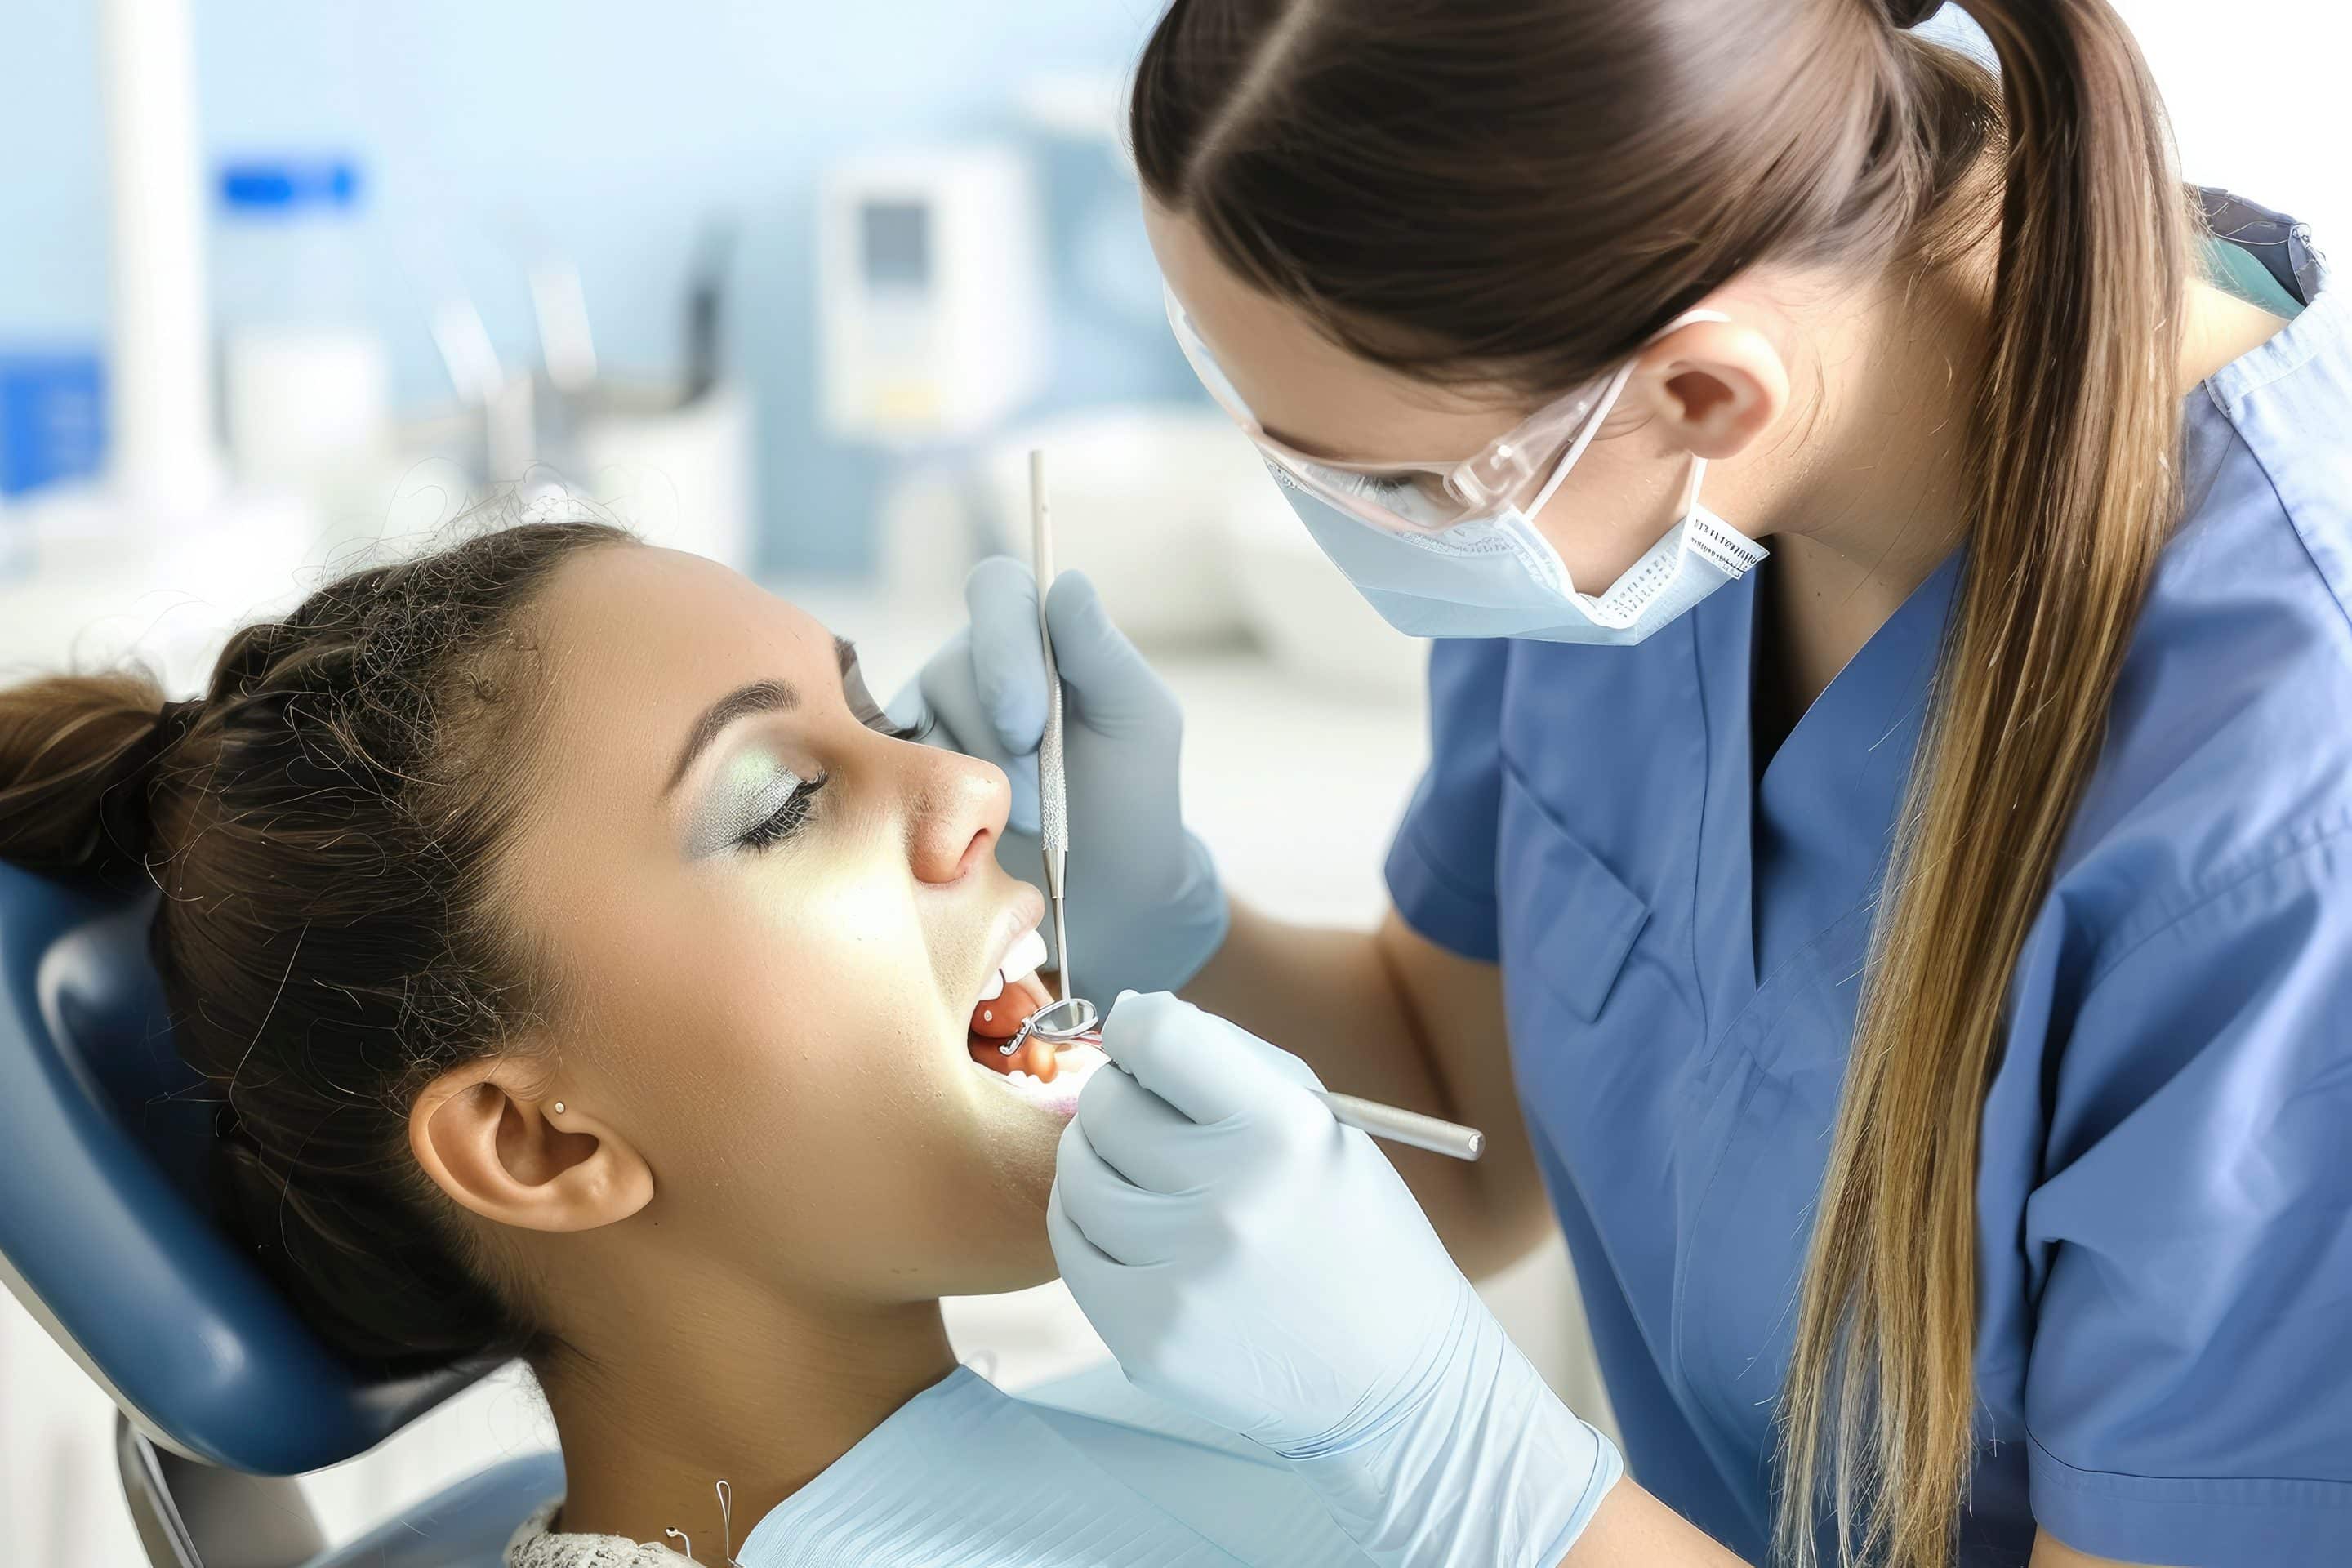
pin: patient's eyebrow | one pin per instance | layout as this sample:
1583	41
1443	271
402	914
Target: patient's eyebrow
758	696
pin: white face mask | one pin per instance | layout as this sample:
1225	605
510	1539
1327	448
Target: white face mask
1497	576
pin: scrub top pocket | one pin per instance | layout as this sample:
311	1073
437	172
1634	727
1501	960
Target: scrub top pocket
1579	922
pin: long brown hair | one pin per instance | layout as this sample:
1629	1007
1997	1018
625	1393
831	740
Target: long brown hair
1525	190
323	824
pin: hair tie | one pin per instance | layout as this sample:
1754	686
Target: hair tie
1908	13
123	820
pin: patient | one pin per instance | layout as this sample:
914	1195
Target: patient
592	974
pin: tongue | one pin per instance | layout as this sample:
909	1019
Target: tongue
999	1016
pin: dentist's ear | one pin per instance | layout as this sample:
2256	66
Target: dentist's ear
1712	387
487	1138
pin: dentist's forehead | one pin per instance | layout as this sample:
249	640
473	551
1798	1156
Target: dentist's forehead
1307	389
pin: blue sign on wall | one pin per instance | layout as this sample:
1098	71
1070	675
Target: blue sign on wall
52	419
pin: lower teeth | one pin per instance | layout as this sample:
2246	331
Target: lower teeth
1076	1064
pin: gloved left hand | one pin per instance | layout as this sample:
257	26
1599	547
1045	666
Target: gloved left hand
1142	890
1249	1258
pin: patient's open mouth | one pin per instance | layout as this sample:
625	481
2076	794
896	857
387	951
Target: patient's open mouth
1038	1072
1015	994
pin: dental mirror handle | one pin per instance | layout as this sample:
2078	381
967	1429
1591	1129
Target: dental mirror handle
1053	797
1400	1126
1392	1122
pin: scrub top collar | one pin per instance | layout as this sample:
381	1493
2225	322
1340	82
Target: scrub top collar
1844	762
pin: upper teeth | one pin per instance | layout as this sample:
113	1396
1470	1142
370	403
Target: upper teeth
1026	955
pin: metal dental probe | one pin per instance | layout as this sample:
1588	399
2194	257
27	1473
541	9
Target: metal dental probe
1053	797
1078	1021
1064	1022
1398	1125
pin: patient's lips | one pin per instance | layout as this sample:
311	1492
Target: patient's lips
1011	993
1027	951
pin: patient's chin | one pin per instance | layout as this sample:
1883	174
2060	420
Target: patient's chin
1018	1254
1033	1267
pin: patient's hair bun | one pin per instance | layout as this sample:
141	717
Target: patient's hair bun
81	757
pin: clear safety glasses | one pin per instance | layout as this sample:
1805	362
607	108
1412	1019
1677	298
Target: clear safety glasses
1420	496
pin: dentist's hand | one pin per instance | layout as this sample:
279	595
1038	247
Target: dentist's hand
1247	1257
1146	907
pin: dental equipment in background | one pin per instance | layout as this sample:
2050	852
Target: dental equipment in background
1074	1020
1053	796
566	346
500	404
714	253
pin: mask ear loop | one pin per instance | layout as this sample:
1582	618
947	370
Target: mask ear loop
1608	402
1690	488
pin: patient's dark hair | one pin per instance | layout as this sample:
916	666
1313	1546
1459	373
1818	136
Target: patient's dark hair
324	824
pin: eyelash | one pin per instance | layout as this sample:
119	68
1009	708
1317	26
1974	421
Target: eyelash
787	819
800	805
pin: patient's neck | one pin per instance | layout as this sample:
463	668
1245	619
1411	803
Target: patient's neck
730	1384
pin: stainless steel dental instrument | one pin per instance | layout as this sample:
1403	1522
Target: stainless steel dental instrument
1073	1018
1399	1126
1053	797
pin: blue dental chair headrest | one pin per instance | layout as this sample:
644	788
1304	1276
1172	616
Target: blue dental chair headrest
107	1232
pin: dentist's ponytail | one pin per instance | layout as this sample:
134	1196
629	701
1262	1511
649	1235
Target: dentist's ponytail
2072	470
1524	191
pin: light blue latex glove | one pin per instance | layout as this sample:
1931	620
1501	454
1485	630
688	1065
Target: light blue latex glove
1248	1259
1146	908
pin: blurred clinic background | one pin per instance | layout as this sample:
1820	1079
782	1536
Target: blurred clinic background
794	285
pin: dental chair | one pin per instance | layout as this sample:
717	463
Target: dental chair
107	1234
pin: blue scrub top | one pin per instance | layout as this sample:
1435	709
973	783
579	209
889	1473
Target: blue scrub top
2164	1358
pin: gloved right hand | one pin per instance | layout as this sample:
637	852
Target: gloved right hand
1247	1257
1146	909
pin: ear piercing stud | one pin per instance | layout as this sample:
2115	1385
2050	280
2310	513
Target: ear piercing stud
559	1107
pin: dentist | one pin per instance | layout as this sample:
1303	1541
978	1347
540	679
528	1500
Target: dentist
1915	968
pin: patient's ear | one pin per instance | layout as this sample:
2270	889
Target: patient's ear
490	1139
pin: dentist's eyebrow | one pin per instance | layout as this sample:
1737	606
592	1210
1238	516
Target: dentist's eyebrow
1308	448
758	696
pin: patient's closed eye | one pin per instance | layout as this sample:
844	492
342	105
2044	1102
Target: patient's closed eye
790	817
758	800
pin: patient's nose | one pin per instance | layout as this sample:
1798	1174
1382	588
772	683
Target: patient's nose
958	808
